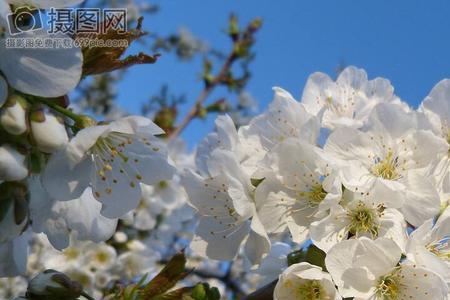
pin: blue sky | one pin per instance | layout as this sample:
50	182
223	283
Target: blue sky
407	42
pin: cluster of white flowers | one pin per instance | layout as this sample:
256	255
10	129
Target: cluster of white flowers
351	169
63	174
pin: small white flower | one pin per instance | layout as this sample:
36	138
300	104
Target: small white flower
429	246
358	216
298	186
391	156
284	118
114	159
348	101
366	269
305	281
101	256
138	260
223	196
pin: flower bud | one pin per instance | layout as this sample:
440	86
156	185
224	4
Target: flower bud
53	285
12	164
47	131
13	116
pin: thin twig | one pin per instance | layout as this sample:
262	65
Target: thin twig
192	114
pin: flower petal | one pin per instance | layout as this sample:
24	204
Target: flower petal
45	72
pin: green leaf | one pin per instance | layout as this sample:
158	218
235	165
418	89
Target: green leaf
296	257
315	256
256	181
213	294
199	292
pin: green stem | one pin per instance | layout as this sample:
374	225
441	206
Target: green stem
60	109
85	295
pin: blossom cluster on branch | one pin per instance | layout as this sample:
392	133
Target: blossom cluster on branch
351	170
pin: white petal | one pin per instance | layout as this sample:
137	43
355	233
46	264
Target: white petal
45	72
13	257
318	89
13	119
63	182
12	164
83	216
285	118
340	258
379	256
437	106
258	243
392	120
136	124
79	145
217	241
272	204
330	230
422	200
352	76
420	283
358	283
49	135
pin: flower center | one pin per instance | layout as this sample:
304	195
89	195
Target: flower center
163	184
102	257
71	253
363	220
315	195
386	168
388	287
312	290
440	248
344	109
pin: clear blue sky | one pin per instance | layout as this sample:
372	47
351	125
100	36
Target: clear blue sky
405	41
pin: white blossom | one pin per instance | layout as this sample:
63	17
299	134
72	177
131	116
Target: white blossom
366	269
429	246
392	156
114	159
305	281
358	216
223	197
348	101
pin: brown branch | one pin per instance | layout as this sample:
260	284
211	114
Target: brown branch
264	293
193	113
